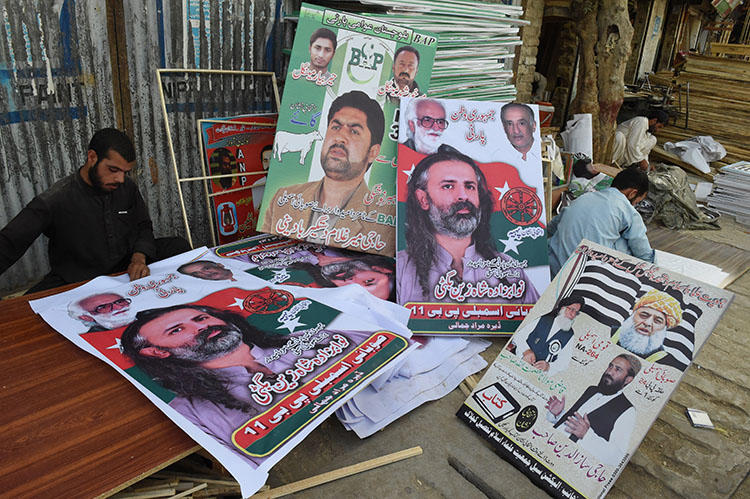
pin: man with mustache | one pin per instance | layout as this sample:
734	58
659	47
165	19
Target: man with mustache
207	270
95	219
405	67
352	142
426	123
208	357
448	210
644	331
102	311
519	125
602	419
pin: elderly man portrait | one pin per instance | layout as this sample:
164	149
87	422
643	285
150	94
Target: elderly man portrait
206	270
643	333
545	343
95	219
352	142
519	125
425	125
448	211
102	311
602	419
209	357
405	67
322	49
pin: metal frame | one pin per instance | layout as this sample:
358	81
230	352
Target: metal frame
179	181
206	177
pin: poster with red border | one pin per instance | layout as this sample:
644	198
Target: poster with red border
232	147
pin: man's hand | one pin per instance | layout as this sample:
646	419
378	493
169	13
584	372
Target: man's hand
138	267
529	356
578	425
542	364
555	405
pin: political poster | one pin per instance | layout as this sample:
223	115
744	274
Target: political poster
240	144
246	368
472	238
332	177
584	377
280	260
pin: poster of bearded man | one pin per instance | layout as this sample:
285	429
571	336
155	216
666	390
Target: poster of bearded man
471	228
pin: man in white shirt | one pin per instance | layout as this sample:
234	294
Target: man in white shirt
519	125
602	419
634	139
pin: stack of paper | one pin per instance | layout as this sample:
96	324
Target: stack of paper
476	44
731	192
430	372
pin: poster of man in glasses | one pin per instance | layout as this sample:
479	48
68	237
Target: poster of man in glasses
471	232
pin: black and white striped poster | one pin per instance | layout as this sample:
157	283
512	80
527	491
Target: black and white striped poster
582	380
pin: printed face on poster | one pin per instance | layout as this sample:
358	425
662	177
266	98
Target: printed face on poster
246	368
233	148
332	174
279	260
590	368
472	245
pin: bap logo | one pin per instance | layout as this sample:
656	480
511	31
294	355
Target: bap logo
496	402
366	57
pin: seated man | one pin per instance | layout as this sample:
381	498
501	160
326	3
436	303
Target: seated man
95	219
605	217
634	139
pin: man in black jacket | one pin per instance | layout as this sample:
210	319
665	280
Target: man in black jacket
602	419
95	219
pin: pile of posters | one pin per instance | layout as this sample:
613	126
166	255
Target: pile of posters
590	368
245	367
430	372
240	144
332	178
472	244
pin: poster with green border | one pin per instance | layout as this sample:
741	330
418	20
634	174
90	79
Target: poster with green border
332	177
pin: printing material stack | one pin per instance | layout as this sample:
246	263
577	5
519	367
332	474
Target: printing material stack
731	192
474	58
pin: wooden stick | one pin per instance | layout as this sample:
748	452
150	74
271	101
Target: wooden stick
190	491
188	477
339	473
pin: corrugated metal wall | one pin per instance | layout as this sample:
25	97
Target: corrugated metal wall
59	65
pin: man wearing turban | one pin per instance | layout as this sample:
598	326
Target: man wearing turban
644	331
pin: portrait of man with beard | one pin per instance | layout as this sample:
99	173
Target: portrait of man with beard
102	311
208	357
352	142
644	331
426	124
405	67
545	343
448	210
602	419
223	162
